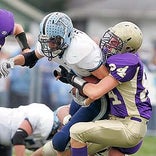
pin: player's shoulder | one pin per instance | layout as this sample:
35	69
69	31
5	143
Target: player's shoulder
123	67
129	59
81	46
82	38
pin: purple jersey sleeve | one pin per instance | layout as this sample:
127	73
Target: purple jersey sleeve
123	66
6	25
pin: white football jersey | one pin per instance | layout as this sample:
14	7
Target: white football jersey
39	115
82	56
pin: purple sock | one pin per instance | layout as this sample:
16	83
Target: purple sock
79	151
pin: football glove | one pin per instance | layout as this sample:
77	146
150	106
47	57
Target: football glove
70	77
64	75
5	67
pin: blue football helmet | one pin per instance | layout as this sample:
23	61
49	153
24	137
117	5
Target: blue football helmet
57	28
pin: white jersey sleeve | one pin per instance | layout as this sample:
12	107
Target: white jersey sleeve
41	118
84	52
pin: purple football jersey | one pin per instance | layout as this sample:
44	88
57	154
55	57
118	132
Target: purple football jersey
6	25
130	97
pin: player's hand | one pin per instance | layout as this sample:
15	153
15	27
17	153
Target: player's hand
5	67
78	97
64	75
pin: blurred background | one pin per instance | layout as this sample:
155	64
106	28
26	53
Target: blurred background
91	16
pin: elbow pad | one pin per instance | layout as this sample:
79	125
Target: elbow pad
19	137
30	59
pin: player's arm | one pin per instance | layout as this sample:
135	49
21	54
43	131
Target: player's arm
18	139
91	90
26	59
95	91
21	37
101	72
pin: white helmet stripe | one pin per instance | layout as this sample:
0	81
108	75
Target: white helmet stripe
44	24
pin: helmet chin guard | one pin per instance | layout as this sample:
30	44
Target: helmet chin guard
49	52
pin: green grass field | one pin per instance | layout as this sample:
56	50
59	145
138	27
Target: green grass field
148	148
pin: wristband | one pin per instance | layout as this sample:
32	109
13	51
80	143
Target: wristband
22	40
78	83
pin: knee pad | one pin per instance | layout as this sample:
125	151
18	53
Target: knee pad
60	141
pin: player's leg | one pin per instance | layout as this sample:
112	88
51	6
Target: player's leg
119	151
74	107
105	133
115	152
46	150
38	152
129	151
94	112
65	153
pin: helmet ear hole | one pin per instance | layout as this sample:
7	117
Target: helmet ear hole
128	48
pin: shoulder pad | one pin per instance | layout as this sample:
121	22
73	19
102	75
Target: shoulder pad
78	53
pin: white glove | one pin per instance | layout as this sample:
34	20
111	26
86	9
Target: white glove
79	99
5	66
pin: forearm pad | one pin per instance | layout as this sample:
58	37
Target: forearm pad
19	137
22	40
30	59
78	83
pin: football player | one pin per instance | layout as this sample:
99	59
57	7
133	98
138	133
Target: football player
28	127
74	50
9	27
130	107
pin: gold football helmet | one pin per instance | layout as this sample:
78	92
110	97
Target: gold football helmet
123	37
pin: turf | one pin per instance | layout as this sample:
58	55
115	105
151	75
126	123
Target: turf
148	148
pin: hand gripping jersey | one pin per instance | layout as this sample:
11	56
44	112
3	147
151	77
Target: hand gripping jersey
39	115
130	98
82	56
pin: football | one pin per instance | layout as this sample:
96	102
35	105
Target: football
91	79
